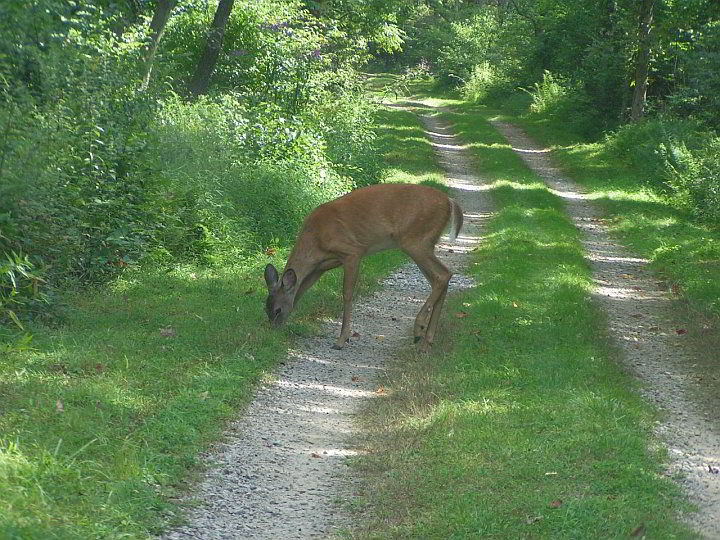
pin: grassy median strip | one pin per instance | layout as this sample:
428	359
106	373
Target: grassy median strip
527	427
682	249
103	419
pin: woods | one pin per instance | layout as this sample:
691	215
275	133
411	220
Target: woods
127	127
156	155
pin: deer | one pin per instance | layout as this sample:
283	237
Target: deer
409	217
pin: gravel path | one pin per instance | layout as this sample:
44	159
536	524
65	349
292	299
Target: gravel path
651	329
281	472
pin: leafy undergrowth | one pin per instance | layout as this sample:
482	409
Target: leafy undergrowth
527	428
103	419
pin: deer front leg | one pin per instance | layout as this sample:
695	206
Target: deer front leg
350	267
434	318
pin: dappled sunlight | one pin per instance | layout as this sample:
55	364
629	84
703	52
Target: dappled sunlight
294	353
325	389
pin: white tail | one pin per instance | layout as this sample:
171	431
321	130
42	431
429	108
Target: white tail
341	232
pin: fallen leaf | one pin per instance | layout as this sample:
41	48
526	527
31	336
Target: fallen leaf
680	331
514	304
380	390
315	455
59	407
355	378
461	315
530	520
557	503
100	367
639	530
168	332
467	304
355	334
270	251
204	395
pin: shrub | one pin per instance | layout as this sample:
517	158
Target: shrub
482	81
678	158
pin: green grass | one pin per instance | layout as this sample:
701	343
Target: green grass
527	427
681	249
103	420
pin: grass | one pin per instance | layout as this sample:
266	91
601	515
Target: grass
526	427
681	249
103	420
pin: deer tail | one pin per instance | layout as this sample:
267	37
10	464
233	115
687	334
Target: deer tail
456	219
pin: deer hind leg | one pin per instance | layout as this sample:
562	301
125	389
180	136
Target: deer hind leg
350	266
439	277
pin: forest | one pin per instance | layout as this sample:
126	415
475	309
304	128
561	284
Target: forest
155	155
140	133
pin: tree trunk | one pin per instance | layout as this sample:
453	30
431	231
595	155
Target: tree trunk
642	64
157	27
201	79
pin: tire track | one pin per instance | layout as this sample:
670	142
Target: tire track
281	471
644	320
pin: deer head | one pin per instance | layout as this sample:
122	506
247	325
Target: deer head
281	295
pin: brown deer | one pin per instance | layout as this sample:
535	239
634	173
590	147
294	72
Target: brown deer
371	219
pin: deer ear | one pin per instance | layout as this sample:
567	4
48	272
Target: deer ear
271	276
289	279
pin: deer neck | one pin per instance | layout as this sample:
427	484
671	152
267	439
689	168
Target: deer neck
304	258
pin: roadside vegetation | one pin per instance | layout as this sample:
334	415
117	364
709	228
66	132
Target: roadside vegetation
104	417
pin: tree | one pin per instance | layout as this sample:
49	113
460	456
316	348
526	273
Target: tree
642	63
201	79
157	27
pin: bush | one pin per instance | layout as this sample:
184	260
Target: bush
96	176
557	97
481	83
678	158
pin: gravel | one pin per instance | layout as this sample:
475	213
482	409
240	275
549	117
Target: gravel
281	471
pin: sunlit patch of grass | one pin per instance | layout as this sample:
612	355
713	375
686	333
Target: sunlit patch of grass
649	223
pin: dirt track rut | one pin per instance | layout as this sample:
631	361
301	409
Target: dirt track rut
282	470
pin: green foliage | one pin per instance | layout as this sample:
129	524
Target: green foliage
482	81
20	288
678	159
98	174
